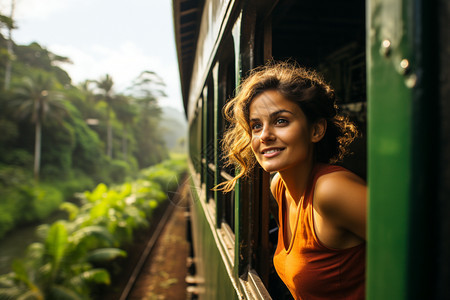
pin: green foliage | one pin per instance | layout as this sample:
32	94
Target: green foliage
104	254
151	149
7	220
87	154
77	181
18	157
74	254
22	200
9	131
36	99
73	126
119	170
58	142
167	173
45	200
35	57
12	182
120	210
174	126
70	143
60	266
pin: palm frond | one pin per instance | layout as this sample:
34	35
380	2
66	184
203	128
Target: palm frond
31	295
97	275
99	232
105	254
64	293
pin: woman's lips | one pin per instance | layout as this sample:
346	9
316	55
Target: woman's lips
271	152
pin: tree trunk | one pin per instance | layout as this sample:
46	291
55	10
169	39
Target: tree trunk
109	134
37	150
124	143
9	47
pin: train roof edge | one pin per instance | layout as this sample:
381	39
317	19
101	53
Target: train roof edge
187	19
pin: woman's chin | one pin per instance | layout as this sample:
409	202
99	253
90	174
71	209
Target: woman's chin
269	168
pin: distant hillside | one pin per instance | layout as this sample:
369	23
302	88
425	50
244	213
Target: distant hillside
174	126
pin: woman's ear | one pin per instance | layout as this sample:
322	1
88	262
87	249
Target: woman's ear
318	130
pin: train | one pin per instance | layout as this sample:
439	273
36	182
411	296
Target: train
389	62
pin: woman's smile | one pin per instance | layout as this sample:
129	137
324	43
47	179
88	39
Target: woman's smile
271	152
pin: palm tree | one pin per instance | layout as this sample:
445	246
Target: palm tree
148	85
105	84
84	98
36	100
9	23
147	90
125	113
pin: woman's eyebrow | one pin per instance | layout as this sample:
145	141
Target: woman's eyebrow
273	114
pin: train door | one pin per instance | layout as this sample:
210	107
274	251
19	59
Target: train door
408	255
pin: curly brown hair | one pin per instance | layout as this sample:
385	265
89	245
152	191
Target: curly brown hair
306	88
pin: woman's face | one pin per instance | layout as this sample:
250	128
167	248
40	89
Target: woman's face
281	135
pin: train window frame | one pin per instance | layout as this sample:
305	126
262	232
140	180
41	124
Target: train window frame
225	213
208	140
195	141
224	72
210	200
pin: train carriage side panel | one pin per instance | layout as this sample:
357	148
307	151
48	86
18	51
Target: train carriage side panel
213	276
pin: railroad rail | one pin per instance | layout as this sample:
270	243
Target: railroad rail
125	288
147	251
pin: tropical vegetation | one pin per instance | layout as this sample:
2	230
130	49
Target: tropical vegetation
74	257
58	138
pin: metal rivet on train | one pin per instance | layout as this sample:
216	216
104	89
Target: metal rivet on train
404	66
411	81
385	48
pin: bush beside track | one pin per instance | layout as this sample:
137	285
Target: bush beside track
73	257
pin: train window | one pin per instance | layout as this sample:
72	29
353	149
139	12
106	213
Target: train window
195	139
331	39
229	198
336	48
204	140
219	91
208	146
226	86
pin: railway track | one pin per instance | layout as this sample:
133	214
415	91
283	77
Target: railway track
135	283
146	253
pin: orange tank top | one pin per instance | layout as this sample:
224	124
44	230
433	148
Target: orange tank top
309	269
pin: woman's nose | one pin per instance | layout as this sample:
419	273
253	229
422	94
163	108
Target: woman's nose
266	135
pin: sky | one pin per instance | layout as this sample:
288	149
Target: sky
121	38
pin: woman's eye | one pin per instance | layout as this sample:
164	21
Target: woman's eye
256	127
281	121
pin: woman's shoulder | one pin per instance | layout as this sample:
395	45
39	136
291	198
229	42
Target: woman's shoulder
332	181
341	196
323	169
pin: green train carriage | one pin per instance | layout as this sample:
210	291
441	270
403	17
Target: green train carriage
389	63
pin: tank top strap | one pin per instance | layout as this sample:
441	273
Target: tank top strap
318	171
322	169
279	189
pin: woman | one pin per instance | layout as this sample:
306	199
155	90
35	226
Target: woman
285	118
